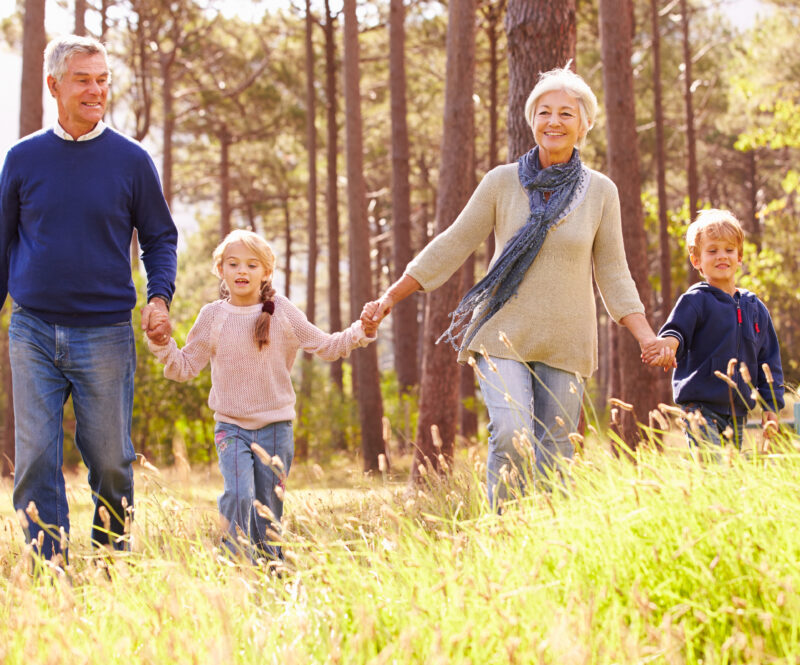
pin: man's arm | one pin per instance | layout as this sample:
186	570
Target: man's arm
9	223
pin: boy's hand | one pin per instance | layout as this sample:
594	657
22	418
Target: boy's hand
660	352
769	424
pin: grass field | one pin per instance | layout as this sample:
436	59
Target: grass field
663	558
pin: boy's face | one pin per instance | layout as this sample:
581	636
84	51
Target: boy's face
717	260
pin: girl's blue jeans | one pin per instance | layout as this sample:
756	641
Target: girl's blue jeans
248	479
95	366
527	397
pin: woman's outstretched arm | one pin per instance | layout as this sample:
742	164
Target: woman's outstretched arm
377	310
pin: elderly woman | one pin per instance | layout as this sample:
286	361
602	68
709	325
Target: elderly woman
533	314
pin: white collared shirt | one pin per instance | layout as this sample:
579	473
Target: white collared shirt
61	133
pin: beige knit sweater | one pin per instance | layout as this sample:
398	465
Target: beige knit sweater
252	388
552	319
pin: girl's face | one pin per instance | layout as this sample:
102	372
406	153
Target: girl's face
243	274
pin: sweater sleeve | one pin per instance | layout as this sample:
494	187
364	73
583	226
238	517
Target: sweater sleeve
445	254
611	272
186	363
158	237
328	346
9	222
770	354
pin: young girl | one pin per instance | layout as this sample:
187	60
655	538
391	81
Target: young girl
251	337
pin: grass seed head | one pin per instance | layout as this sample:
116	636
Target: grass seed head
731	367
727	379
23	520
767	373
504	339
279	492
105	517
471	362
620	404
437	438
33	512
262	454
317	471
277	463
745	372
382	463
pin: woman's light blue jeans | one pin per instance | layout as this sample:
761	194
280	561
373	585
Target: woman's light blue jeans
527	397
248	479
94	365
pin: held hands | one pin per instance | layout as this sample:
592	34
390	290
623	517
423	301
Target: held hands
660	352
155	321
367	322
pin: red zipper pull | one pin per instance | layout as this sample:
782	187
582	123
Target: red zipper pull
757	330
739	314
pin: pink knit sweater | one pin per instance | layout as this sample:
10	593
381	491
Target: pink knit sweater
252	388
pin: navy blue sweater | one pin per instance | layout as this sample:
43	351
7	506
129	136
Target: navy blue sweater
712	327
67	213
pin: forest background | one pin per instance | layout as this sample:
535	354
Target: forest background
327	129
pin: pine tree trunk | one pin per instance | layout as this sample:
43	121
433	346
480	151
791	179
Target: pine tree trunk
616	28
33	43
665	255
404	321
440	384
367	380
80	17
287	233
541	36
224	182
332	194
301	440
691	144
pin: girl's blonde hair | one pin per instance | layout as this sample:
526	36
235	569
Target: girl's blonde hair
564	79
263	252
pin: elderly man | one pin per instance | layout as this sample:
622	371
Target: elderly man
70	198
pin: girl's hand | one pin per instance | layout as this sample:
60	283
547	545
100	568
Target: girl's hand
159	328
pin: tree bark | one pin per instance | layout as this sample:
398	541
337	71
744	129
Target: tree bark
541	36
691	144
367	380
332	194
440	384
616	29
311	280
287	231
33	42
406	327
224	182
80	17
665	255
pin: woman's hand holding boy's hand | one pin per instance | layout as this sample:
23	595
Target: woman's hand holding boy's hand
660	352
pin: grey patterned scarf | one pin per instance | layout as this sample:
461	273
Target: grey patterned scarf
502	281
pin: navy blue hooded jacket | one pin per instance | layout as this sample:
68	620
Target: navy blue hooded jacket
712	327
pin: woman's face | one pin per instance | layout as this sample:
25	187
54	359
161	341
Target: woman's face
556	126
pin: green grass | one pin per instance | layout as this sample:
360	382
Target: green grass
662	558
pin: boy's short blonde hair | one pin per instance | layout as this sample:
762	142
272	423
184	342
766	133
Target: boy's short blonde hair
714	224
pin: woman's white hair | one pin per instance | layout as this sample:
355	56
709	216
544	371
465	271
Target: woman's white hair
564	79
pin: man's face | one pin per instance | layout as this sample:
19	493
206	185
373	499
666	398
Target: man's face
82	93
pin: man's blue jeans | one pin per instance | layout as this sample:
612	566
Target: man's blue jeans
248	479
527	397
95	366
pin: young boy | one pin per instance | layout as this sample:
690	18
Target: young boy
713	323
